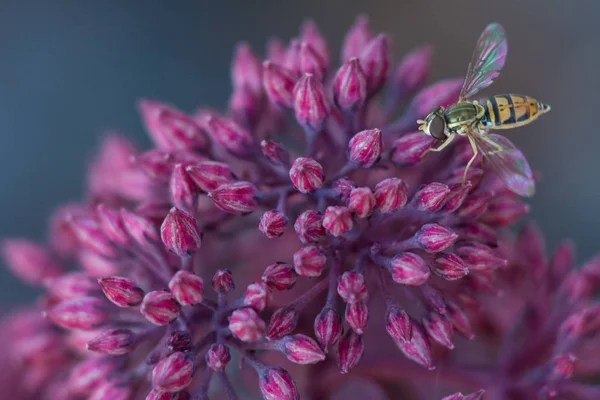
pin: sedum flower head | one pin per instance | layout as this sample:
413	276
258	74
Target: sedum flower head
328	236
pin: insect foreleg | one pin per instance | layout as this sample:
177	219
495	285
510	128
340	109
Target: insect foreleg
475	152
443	145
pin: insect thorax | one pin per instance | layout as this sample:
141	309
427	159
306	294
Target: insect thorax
463	115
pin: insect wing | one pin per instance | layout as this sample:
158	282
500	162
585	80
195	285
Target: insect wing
507	161
486	62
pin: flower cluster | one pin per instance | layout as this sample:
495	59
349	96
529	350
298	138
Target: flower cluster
306	223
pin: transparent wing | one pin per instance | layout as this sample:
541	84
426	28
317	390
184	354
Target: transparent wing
507	161
486	62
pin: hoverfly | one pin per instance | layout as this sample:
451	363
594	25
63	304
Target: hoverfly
474	119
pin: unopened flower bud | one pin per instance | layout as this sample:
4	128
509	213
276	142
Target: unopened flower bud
478	395
361	201
276	384
279	84
173	373
357	38
82	313
30	261
311	35
114	342
235	198
282	323
217	357
432	197
307	175
92	237
442	93
187	288
505	211
398	325
179	341
275	152
343	187
160	307
112	225
390	194
121	291
280	276
475	205
459	320
311	62
182	189
209	175
112	389
257	296
375	62
90	373
357	316
72	285
272	223
410	148
328	327
309	261
479	257
439	329
337	220
180	233
434	238
301	349
310	103
229	134
350	86
413	71
450	267
456	197
309	227
222	281
418	348
292	57
246	325
350	351
365	147
409	269
352	287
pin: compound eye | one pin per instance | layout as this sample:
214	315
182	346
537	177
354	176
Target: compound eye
437	127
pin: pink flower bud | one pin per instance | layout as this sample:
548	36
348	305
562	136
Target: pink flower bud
311	35
409	269
352	287
82	313
246	70
410	148
390	194
276	384
434	238
257	296
357	316
418	348
235	198
478	395
217	357
160	307
431	197
246	325
180	233
459	320
245	106
311	62
280	276
442	93
375	62
310	103
292	57
439	328
121	291
474	175
112	225
309	227
114	342
87	375
272	223
97	266
223	281
307	175
279	84
160	395
357	38
450	267
182	189
365	147
275	152
72	285
328	327
398	325
563	260
434	299
564	365
505	211
173	373
361	201
209	175
229	134
413	71
301	349
93	238
187	288
282	323
179	341
337	220
155	163
479	257
141	229
350	351
456	197
343	187
275	50
62	238
309	261
114	390
475	205
350	86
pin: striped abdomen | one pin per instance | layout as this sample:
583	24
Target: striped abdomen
506	111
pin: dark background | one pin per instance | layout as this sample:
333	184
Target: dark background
69	70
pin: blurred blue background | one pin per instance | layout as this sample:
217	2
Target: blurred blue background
69	70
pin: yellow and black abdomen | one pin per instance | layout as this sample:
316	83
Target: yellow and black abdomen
505	111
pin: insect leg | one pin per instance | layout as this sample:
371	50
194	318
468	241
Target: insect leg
496	145
443	145
475	152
